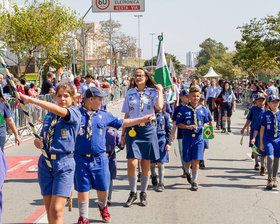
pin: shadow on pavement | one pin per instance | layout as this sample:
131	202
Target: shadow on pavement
21	180
234	186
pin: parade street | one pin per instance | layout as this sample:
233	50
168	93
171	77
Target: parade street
230	191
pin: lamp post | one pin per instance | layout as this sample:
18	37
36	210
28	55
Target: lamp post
83	36
152	49
138	16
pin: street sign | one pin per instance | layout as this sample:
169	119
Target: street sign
118	5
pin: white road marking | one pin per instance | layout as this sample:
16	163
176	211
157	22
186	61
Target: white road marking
42	219
21	163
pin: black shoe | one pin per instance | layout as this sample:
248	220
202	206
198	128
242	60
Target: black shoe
269	184
194	187
257	167
253	155
139	177
132	198
184	175
201	165
143	199
189	178
229	130
154	181
109	202
223	130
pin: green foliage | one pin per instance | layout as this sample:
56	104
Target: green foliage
210	49
177	64
258	50
39	29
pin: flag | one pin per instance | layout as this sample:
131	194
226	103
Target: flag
207	132
172	71
162	75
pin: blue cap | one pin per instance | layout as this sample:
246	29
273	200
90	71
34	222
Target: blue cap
202	97
184	93
271	98
93	91
259	96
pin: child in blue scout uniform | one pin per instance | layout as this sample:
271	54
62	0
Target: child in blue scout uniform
92	169
254	119
206	141
5	116
164	134
228	105
113	140
185	100
270	139
59	132
141	141
3	171
191	119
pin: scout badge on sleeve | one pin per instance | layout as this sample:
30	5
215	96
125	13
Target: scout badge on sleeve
208	132
241	140
255	149
132	133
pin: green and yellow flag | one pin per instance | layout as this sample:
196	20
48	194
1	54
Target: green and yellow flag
207	132
162	75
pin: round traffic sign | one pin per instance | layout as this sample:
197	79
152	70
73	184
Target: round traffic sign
102	4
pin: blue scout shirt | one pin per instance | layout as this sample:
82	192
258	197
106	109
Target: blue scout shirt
209	115
65	132
217	91
164	126
268	122
97	144
228	97
179	130
132	103
186	116
5	112
254	116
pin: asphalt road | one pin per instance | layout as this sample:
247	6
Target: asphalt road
230	191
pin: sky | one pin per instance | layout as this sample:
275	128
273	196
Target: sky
185	23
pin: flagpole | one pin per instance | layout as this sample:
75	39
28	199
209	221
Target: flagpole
138	16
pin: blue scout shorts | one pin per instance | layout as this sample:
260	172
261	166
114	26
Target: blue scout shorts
163	155
59	180
92	173
272	146
192	148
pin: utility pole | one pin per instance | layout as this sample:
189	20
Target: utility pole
138	16
152	48
84	43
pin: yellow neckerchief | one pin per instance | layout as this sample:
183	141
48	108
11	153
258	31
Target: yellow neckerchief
194	113
51	132
275	123
89	125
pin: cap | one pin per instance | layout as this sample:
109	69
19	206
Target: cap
272	98
202	97
259	96
93	91
184	93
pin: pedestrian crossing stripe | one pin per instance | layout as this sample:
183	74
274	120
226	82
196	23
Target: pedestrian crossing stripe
207	132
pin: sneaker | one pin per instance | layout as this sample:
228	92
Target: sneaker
253	155
269	184
184	175
189	178
257	166
275	182
223	131
262	172
139	177
154	181
143	199
83	220
105	214
132	198
194	187
160	187
229	130
201	165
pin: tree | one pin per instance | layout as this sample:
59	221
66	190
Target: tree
210	49
37	30
258	50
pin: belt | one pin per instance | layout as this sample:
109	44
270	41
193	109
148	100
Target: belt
192	135
53	156
91	155
145	124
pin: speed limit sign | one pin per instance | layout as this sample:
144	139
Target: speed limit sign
118	6
102	4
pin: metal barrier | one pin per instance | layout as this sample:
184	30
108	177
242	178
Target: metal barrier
37	113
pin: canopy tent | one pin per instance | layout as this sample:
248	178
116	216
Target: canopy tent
211	74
